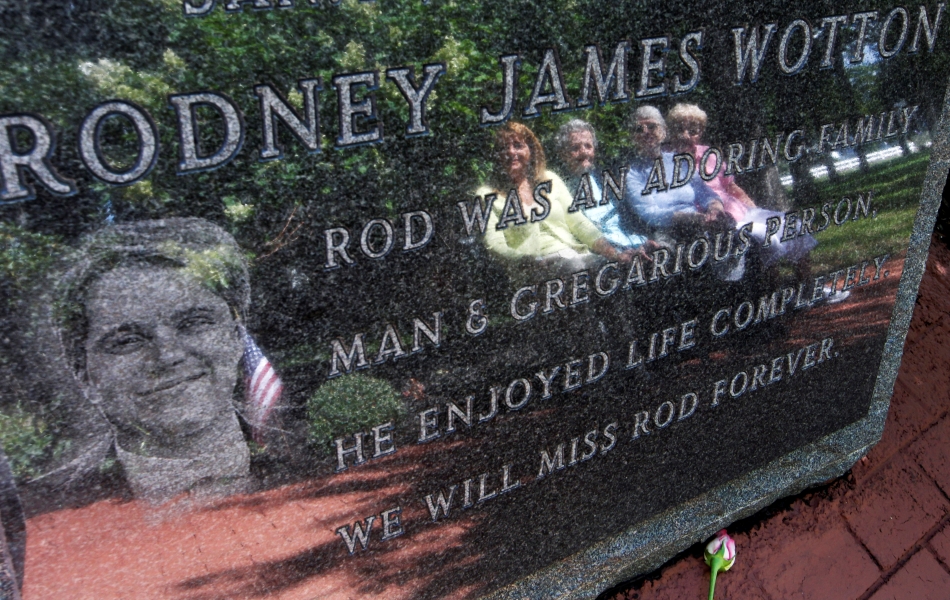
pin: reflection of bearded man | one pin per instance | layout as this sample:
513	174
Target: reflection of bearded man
150	321
577	149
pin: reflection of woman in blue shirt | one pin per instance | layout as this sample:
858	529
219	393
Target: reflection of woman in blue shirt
607	218
674	214
661	209
664	209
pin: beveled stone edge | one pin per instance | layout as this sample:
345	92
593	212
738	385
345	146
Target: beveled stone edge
648	545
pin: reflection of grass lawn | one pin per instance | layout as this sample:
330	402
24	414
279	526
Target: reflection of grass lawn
896	190
893	183
860	240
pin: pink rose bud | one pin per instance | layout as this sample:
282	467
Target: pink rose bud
720	555
722	539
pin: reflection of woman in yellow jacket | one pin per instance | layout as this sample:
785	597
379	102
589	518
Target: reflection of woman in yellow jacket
559	235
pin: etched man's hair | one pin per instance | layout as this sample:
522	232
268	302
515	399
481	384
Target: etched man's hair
202	249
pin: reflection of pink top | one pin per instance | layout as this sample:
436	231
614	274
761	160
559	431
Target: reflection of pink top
734	207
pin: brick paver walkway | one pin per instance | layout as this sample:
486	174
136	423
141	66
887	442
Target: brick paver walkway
882	531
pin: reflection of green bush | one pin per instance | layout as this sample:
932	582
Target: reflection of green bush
350	404
25	441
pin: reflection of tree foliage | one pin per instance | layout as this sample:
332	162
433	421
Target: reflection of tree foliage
215	268
25	435
24	257
26	441
61	59
350	404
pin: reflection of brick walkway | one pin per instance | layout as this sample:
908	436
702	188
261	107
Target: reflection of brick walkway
883	527
880	532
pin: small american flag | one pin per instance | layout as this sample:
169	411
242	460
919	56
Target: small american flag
262	386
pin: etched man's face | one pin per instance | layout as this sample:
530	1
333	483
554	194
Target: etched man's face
579	153
162	353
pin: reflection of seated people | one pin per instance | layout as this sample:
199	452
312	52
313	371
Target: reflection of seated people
561	237
577	149
676	214
151	320
687	124
665	209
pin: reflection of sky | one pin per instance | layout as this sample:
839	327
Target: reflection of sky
869	64
871	56
847	160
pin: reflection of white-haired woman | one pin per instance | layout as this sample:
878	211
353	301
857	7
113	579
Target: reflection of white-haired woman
674	213
560	237
662	208
150	317
688	124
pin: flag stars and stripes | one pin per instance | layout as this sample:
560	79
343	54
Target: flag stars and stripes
262	385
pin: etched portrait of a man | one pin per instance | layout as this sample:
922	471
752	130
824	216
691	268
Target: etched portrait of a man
151	320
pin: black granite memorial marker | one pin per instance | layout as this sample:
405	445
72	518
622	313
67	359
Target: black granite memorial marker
415	299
